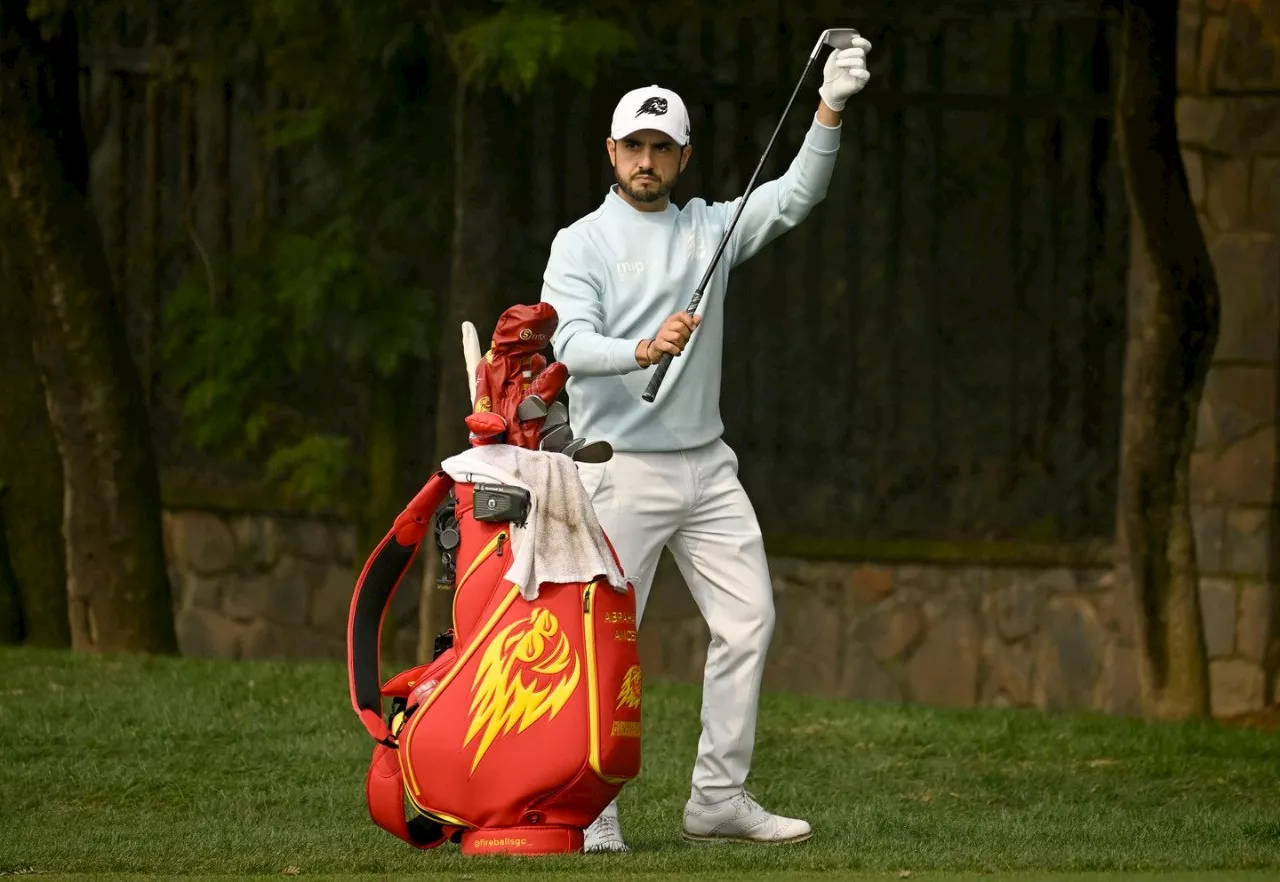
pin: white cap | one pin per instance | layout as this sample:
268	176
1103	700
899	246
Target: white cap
651	108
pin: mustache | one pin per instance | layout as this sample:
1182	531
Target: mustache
645	171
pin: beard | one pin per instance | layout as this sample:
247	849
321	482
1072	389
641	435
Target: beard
652	192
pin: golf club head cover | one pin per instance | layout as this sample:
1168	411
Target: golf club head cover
549	382
521	731
486	428
514	368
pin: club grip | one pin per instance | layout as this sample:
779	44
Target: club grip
651	391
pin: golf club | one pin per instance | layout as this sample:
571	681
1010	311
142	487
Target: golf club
557	415
837	38
582	450
556	437
531	408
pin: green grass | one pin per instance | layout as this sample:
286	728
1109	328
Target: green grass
129	766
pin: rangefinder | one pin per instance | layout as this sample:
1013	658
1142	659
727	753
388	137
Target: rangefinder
500	502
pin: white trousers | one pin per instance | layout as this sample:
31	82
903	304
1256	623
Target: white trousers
693	503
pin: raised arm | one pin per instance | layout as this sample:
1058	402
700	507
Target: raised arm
781	204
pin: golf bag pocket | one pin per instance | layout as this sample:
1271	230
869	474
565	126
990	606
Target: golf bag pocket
611	645
538	719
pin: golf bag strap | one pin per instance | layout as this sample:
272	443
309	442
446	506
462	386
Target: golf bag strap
373	593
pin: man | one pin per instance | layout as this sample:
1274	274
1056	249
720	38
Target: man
619	279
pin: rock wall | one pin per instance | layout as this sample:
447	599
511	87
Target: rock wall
1056	638
1229	123
964	635
266	586
951	636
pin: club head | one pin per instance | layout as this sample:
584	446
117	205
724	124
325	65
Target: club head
531	408
592	452
839	38
836	38
557	415
555	438
571	449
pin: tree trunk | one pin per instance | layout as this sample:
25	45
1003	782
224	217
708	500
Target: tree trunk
13	628
30	470
391	431
391	456
1173	332
118	586
480	289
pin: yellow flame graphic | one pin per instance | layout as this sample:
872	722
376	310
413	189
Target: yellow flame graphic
501	694
629	694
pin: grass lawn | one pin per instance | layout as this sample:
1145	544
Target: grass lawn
131	767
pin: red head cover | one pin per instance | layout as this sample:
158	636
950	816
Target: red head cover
512	370
524	329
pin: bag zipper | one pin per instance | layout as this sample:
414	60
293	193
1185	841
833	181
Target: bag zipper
493	545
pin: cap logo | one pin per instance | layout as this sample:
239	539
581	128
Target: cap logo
655	106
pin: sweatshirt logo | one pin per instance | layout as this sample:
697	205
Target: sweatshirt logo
695	245
630	268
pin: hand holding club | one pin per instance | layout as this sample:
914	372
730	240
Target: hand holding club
845	73
671	338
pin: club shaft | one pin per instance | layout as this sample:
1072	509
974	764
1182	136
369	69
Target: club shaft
664	364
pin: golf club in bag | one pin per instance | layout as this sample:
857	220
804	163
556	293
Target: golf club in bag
837	38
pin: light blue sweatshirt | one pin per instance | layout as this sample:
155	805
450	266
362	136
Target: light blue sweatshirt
615	275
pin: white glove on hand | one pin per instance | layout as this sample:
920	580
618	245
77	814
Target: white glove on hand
845	74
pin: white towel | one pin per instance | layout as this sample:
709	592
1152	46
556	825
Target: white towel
561	540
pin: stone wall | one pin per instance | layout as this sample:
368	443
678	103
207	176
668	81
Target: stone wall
1055	638
265	586
958	635
1229	122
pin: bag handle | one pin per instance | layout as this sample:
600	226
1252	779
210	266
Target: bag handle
374	590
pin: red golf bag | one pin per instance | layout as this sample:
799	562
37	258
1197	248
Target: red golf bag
526	724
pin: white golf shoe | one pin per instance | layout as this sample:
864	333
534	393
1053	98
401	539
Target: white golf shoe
740	819
605	833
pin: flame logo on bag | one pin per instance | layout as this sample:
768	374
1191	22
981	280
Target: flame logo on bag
629	694
527	670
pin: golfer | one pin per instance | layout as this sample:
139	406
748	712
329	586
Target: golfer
619	279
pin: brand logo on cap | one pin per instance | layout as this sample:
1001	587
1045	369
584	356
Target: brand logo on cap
656	106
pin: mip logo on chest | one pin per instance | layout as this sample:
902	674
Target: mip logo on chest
628	268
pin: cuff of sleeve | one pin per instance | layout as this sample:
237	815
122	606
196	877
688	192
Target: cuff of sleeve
823	138
623	355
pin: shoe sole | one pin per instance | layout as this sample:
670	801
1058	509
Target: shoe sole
694	837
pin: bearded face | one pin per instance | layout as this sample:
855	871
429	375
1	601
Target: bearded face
647	165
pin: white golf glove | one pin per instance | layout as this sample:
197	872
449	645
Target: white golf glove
845	73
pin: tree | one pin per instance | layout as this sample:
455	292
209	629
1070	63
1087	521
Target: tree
117	581
33	576
308	368
1173	332
12	626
